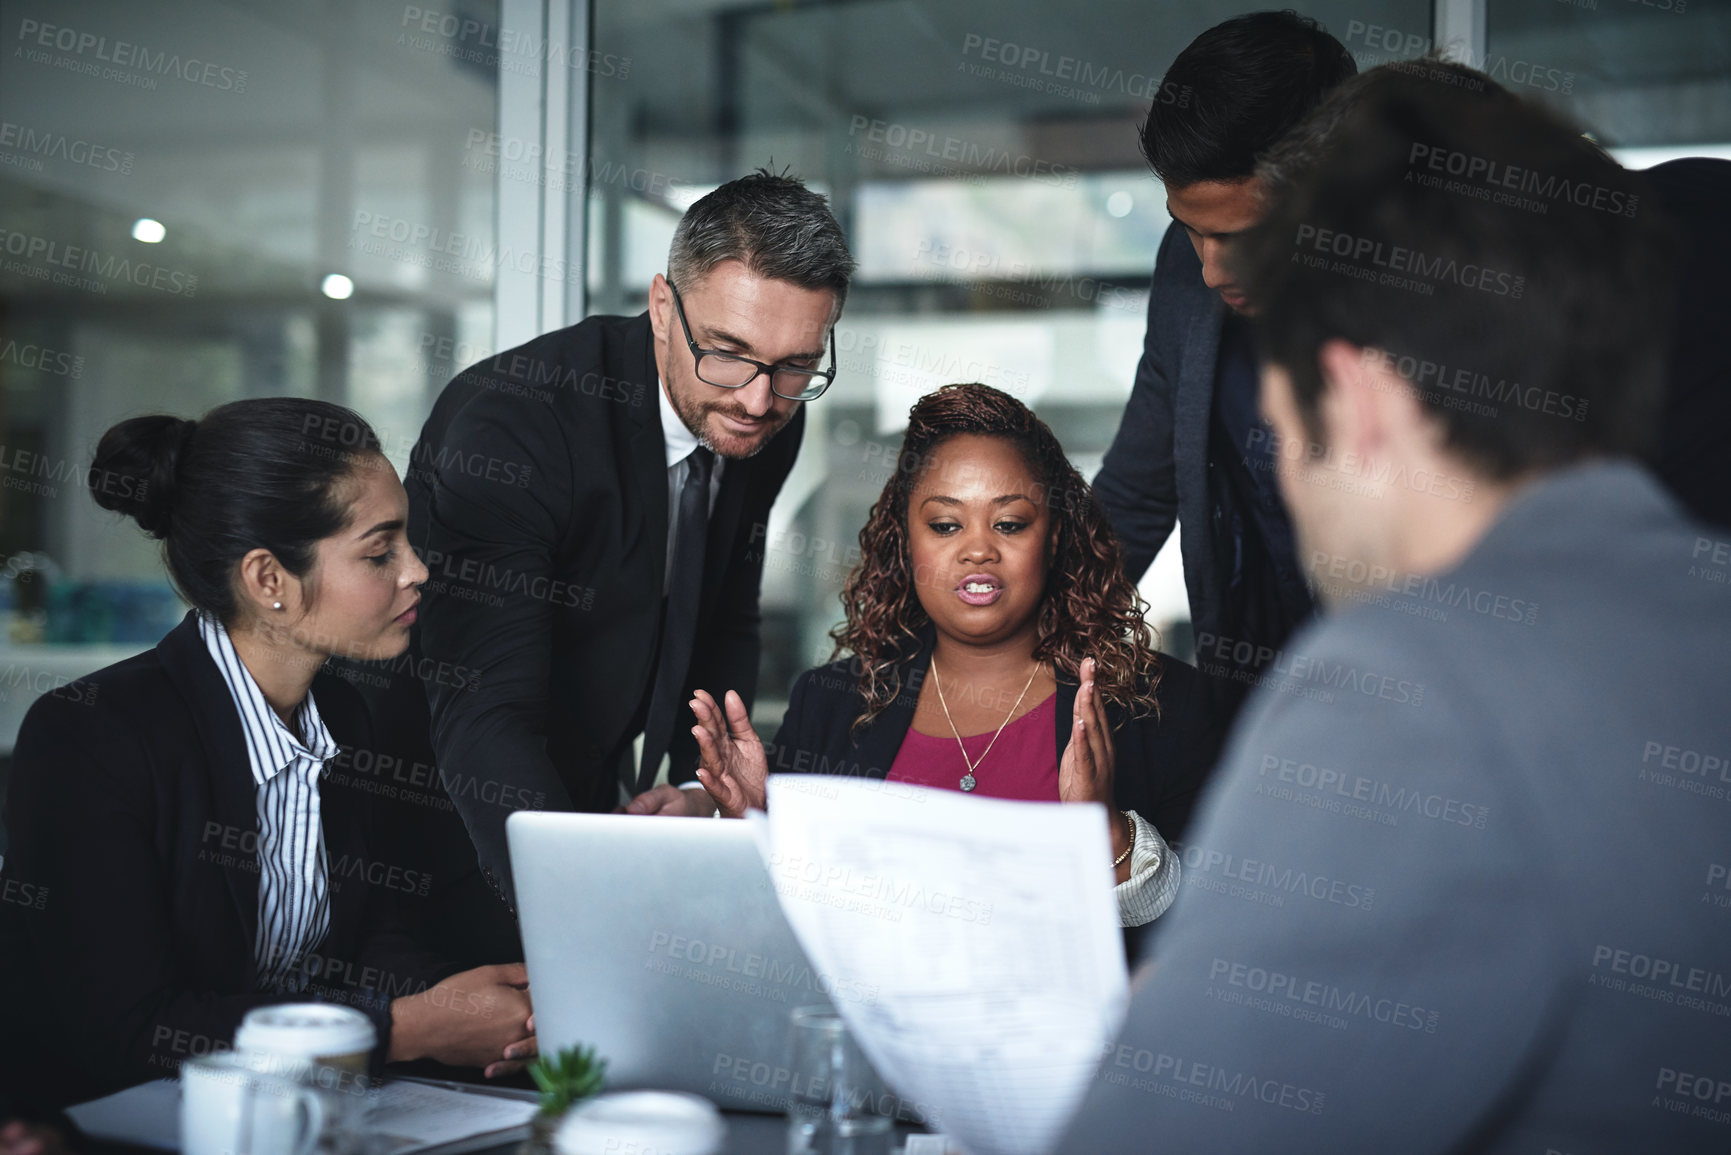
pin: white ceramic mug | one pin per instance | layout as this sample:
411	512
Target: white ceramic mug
229	1106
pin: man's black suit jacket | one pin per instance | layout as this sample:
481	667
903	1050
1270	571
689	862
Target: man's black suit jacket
1161	761
1155	475
131	881
538	498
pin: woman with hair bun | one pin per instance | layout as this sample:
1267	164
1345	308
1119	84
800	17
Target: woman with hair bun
173	816
992	645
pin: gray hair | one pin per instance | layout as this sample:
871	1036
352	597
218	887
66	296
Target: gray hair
774	225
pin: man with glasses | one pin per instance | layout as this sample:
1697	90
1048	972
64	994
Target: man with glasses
592	507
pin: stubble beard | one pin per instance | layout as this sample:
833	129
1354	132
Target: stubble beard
696	422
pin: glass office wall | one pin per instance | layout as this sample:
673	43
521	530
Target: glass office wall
1649	78
188	188
202	201
983	158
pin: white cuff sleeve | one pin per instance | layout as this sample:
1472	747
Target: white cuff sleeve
1154	876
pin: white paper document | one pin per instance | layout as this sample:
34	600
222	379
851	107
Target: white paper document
414	1115
985	930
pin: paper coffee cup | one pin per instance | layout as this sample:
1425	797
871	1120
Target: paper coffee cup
314	1034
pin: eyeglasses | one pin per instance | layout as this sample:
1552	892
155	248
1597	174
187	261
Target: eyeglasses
731	371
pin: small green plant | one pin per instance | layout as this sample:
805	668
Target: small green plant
567	1078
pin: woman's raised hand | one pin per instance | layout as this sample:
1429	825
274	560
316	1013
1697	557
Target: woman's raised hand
730	758
1085	774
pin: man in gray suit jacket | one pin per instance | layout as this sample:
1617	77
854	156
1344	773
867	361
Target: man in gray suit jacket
1461	882
1191	448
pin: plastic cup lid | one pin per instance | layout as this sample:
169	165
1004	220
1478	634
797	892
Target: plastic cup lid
310	1030
666	1122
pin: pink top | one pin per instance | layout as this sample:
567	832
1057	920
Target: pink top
1023	764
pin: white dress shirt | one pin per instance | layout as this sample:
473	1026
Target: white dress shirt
294	910
679	442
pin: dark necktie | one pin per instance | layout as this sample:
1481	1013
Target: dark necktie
679	621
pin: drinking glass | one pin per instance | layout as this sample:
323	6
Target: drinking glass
837	1099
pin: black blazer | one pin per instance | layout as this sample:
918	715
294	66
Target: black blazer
1161	762
1155	474
131	882
538	498
1696	418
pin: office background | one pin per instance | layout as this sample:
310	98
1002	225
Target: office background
204	200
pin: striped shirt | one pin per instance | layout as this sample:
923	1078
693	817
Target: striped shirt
293	886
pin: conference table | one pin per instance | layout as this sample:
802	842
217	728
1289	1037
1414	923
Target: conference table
748	1133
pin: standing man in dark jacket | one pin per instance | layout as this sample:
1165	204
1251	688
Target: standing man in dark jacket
1191	448
592	507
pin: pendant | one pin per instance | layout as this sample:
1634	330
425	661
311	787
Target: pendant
968	781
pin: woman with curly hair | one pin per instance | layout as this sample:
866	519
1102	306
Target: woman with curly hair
993	644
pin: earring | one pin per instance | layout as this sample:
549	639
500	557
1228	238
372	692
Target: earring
276	605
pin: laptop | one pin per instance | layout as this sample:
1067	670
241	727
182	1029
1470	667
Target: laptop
659	942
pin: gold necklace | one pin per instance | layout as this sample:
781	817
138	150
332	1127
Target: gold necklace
974	763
